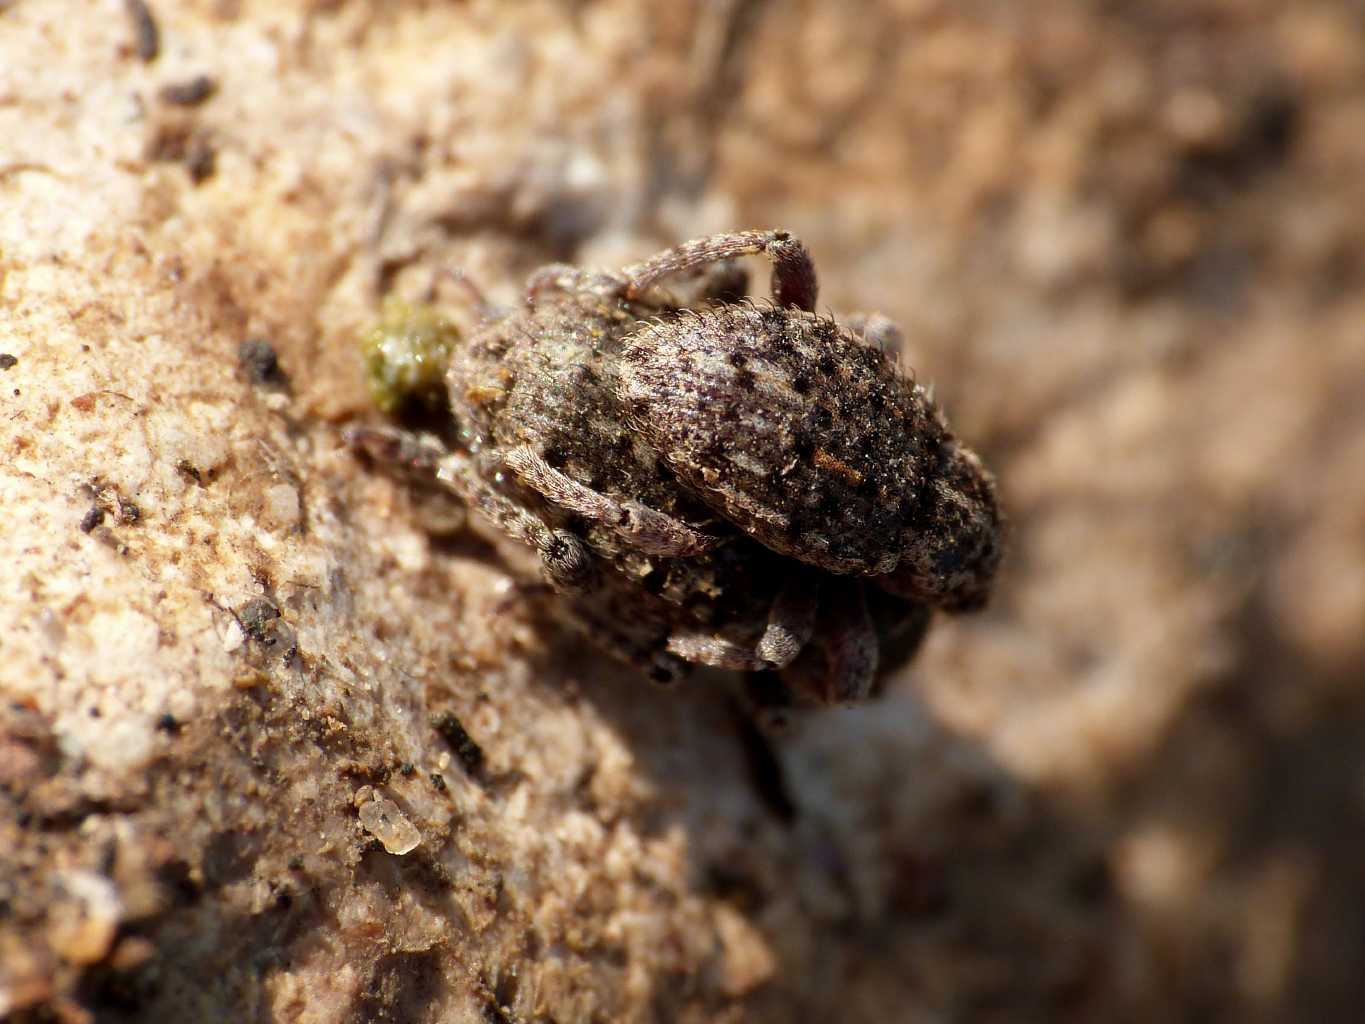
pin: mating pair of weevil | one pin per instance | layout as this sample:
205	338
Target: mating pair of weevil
710	480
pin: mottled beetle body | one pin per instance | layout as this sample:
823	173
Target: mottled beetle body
805	436
714	481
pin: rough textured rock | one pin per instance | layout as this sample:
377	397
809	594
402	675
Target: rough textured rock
240	679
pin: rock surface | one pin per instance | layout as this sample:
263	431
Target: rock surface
270	750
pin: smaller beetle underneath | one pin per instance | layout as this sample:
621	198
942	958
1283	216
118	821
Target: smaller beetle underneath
712	480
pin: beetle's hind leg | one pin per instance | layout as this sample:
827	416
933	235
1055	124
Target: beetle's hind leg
564	558
791	622
843	662
704	648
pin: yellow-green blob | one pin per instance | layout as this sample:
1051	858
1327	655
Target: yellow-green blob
406	355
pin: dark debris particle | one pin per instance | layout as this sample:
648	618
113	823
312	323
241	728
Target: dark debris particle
469	752
1267	127
439	781
732	884
7	361
765	771
179	881
94	515
190	471
178	141
169	142
146	34
257	618
200	160
189	93
261	363
662	677
168	724
1092	882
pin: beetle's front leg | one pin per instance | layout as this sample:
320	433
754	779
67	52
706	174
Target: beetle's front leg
566	561
794	282
646	529
705	648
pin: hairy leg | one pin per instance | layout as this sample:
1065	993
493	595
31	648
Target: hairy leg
566	561
414	455
791	621
474	295
716	651
564	558
564	277
794	282
901	626
645	528
849	638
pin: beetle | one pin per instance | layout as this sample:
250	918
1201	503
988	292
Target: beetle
735	472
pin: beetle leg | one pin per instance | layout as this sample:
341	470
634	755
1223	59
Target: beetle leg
413	455
477	298
716	651
791	622
902	625
564	277
757	724
566	561
851	646
850	642
794	282
645	528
